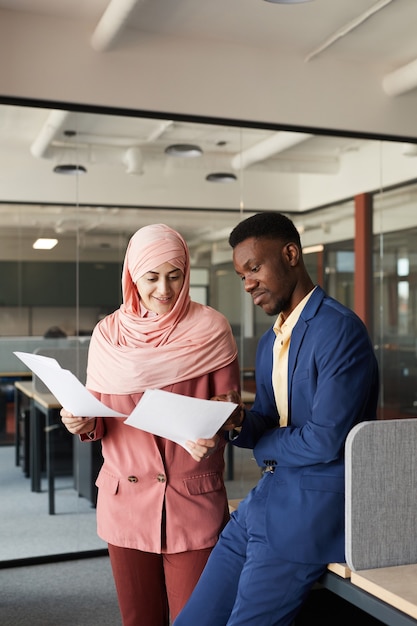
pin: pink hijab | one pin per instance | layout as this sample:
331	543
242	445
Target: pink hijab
130	353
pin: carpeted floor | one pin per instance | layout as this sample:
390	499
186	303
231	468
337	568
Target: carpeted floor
50	571
70	593
66	582
27	530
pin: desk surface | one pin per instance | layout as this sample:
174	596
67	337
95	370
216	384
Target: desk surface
395	585
25	374
25	386
341	569
45	400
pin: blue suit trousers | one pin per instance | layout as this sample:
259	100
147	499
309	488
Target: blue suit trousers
244	582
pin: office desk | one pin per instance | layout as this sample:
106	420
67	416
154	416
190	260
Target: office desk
7	380
395	585
45	414
16	374
39	436
23	392
389	596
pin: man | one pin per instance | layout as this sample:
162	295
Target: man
316	377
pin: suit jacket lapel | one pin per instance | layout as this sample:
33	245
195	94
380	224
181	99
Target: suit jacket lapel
297	336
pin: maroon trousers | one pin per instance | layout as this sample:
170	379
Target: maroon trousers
153	588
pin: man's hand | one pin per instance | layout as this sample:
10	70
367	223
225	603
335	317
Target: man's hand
236	418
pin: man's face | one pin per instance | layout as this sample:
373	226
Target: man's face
265	267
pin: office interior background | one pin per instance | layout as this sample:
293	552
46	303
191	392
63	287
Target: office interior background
307	109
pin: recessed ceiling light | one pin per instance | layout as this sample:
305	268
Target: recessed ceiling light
44	244
70	169
221	177
187	150
310	249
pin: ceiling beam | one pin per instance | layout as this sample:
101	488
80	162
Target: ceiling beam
112	23
347	28
276	143
401	80
41	146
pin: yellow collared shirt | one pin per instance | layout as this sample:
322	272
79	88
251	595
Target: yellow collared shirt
283	329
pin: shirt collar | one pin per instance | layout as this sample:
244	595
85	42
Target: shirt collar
281	325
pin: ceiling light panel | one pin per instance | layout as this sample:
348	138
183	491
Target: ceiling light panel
44	244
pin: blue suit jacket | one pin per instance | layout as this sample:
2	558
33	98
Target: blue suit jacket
332	385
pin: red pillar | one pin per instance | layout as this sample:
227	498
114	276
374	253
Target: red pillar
363	246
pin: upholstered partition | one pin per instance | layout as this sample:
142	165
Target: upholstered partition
9	361
381	494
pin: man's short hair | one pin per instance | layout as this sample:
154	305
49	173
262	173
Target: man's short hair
266	225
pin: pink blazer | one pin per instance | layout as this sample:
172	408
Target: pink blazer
152	495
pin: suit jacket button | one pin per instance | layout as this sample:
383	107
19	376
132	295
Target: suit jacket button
161	478
132	479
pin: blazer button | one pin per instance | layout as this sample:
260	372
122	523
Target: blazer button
161	478
132	479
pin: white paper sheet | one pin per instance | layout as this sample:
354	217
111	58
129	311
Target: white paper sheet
66	387
179	418
170	415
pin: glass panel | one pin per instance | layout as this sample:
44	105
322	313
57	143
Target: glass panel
130	182
340	272
73	285
395	288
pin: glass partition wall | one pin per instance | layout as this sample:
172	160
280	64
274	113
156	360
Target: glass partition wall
131	180
395	289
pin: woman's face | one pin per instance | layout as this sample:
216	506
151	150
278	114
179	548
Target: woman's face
159	288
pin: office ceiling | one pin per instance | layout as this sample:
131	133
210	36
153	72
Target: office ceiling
366	31
130	179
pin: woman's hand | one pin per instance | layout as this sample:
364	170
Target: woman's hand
203	448
236	418
77	425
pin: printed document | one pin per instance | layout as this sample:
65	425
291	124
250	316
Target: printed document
170	415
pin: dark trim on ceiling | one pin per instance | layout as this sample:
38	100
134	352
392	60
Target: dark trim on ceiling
106	110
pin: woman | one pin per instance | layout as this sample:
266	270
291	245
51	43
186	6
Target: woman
160	508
